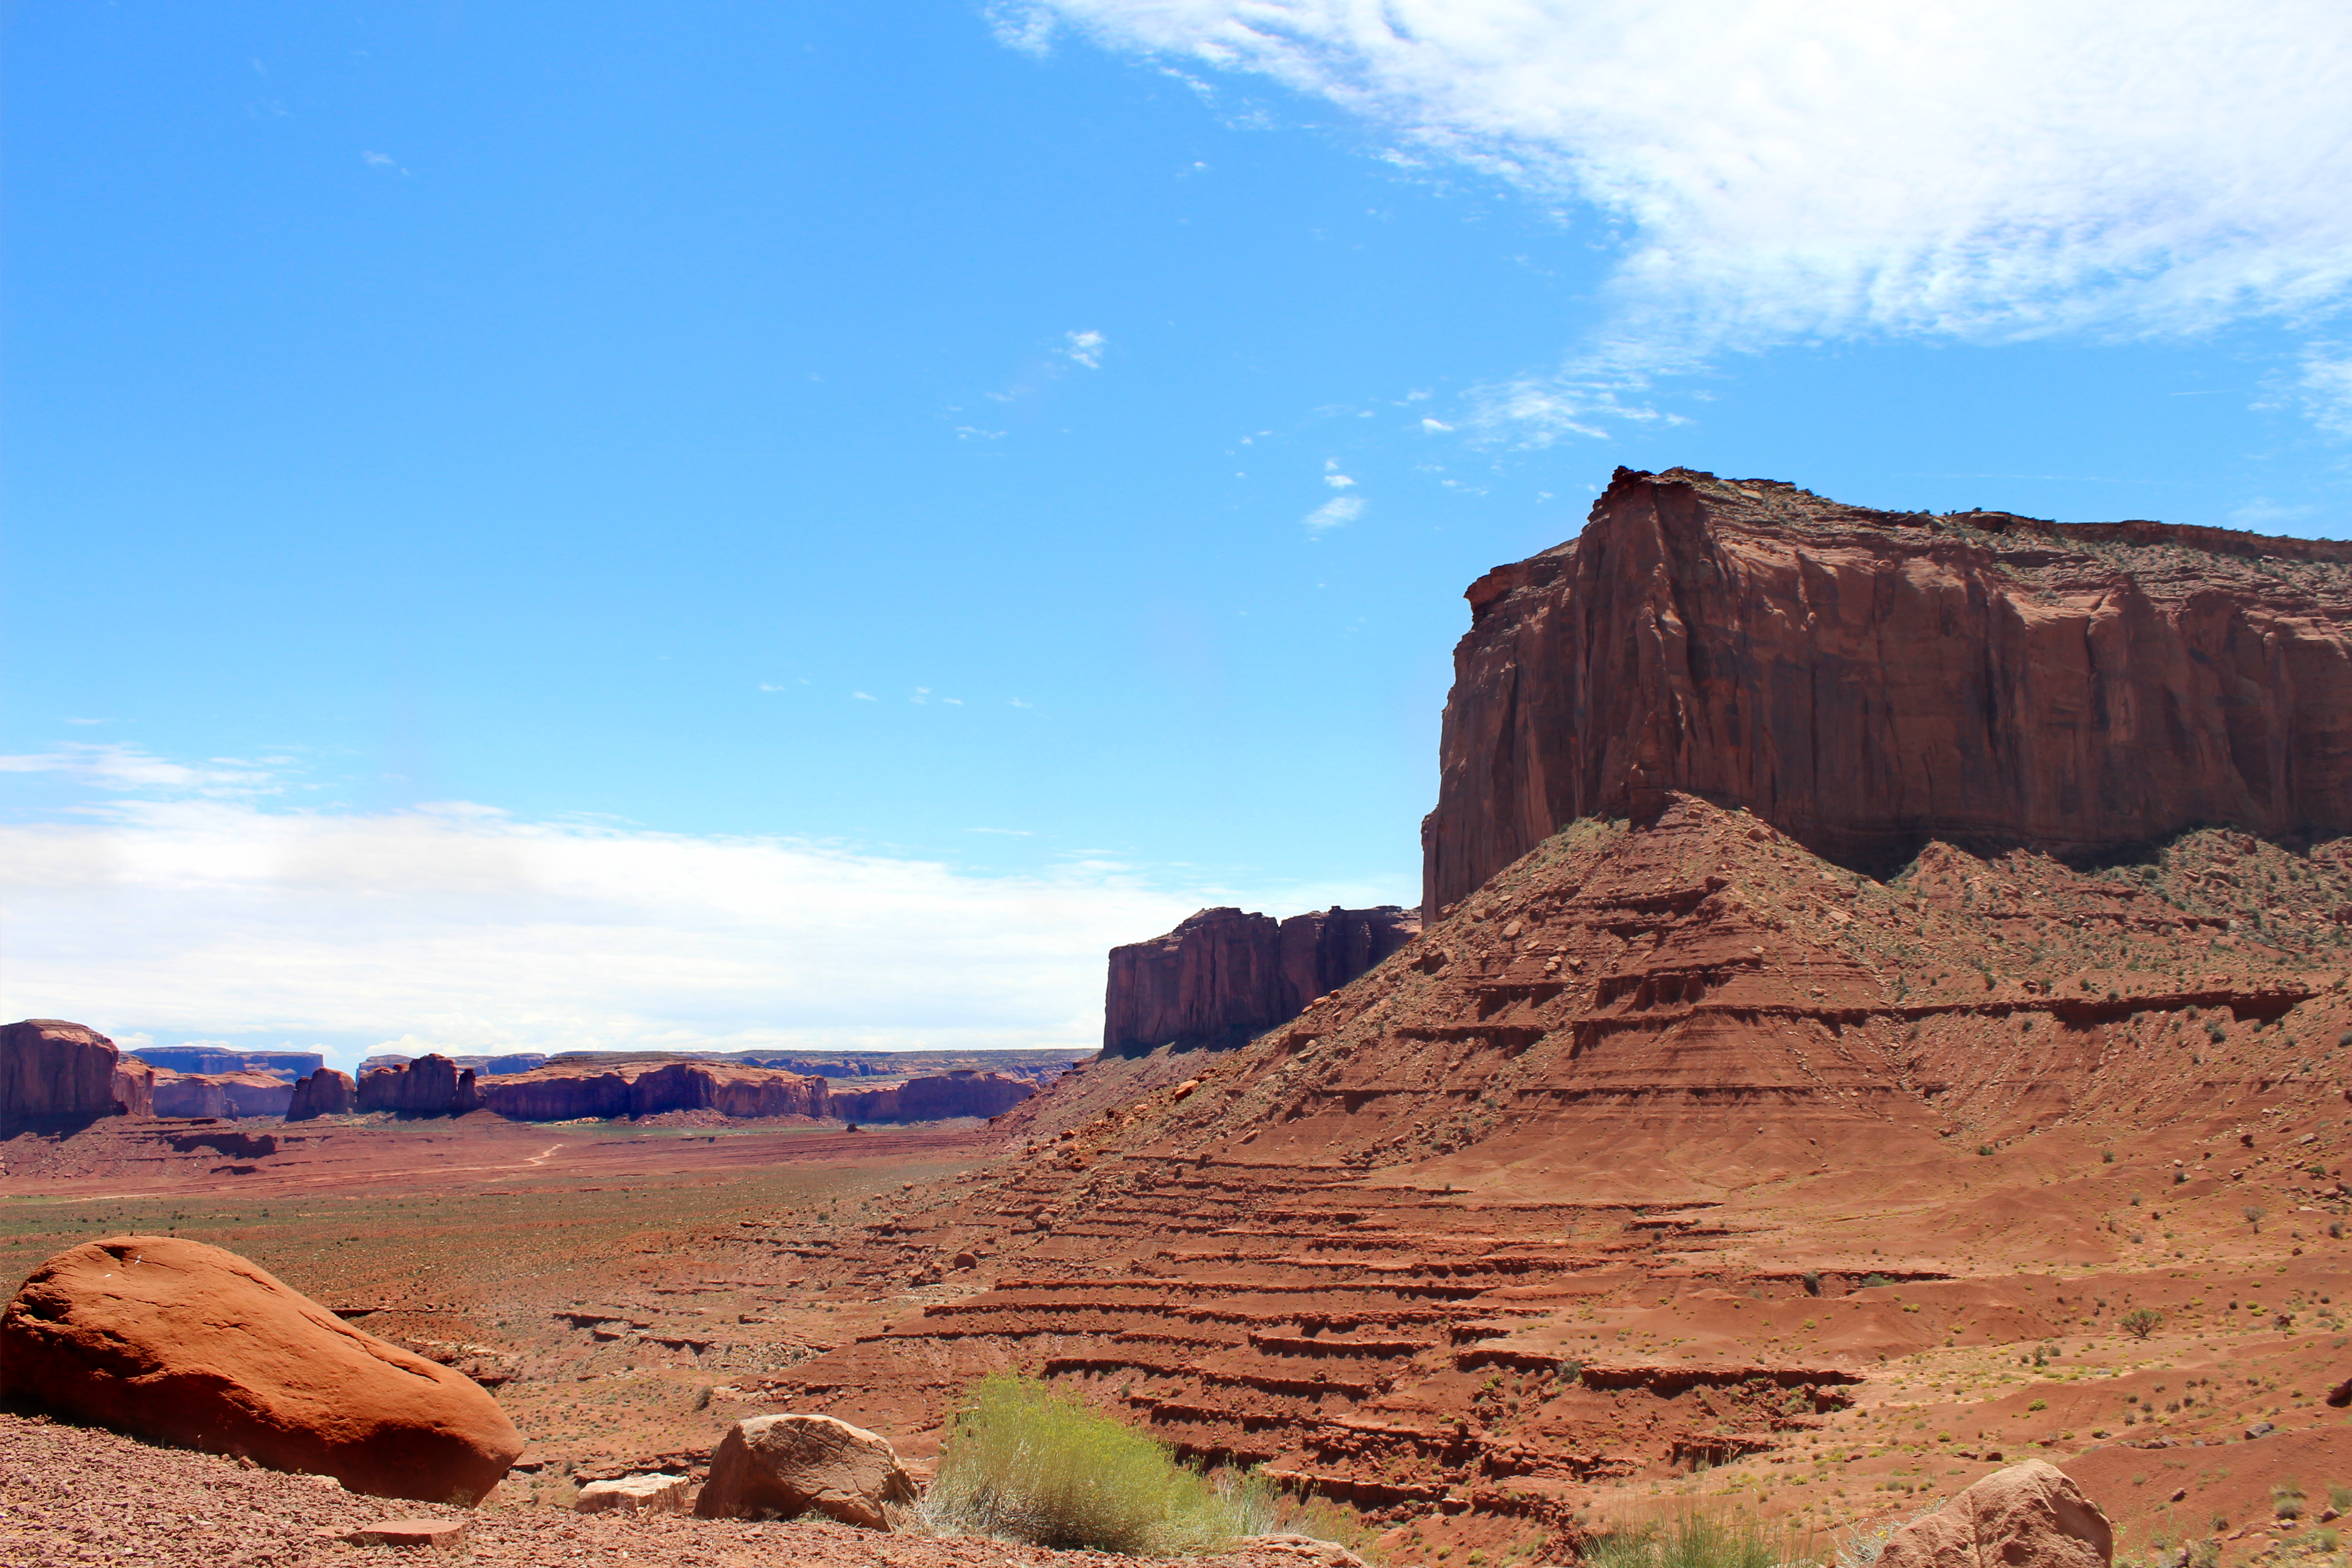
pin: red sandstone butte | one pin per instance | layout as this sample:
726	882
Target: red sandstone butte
325	1092
1869	681
562	1093
51	1070
1222	976
963	1092
432	1084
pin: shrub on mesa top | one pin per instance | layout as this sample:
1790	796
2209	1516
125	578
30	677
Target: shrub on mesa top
1025	1462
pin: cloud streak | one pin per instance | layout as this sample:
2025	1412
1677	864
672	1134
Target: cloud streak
1781	170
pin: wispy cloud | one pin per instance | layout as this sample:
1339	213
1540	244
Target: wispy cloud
2004	170
1083	347
377	160
1337	512
864	697
129	768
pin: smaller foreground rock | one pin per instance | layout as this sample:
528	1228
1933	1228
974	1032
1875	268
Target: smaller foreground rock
435	1534
2028	1516
787	1466
634	1494
179	1342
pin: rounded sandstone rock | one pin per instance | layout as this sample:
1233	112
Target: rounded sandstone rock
2028	1516
790	1465
179	1342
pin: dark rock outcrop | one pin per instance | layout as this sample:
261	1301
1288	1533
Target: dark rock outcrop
933	1098
1222	976
325	1092
561	1094
1868	680
55	1072
430	1086
230	1094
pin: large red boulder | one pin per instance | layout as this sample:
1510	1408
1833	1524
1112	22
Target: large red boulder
179	1342
54	1071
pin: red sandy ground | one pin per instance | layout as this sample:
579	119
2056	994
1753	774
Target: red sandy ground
1516	1236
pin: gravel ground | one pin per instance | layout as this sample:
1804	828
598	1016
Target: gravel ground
78	1495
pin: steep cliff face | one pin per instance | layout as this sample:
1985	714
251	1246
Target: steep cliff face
231	1094
1222	976
325	1092
934	1098
52	1071
559	1094
1868	680
429	1086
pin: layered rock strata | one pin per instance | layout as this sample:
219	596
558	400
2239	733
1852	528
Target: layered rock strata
1603	1077
1868	680
1222	976
53	1071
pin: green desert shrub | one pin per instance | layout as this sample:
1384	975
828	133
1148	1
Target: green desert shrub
1700	1540
1025	1462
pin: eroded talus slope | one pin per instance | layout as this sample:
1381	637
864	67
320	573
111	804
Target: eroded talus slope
1651	1075
1869	681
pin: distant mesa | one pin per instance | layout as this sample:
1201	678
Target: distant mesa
481	1067
211	1059
1866	681
224	1094
1222	976
54	1073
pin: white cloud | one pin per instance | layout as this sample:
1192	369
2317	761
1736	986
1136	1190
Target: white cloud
463	927
864	697
1084	348
1435	427
1334	514
1777	170
476	931
1338	481
377	160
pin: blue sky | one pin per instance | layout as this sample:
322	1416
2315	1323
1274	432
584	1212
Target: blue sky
976	482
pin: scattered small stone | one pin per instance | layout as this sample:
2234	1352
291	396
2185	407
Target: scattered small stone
435	1534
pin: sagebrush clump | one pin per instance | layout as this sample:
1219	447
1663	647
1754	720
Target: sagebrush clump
1025	1462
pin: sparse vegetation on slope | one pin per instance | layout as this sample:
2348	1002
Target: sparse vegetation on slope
1025	1462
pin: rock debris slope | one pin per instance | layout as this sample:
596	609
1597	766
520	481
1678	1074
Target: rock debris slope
1867	681
1515	1213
